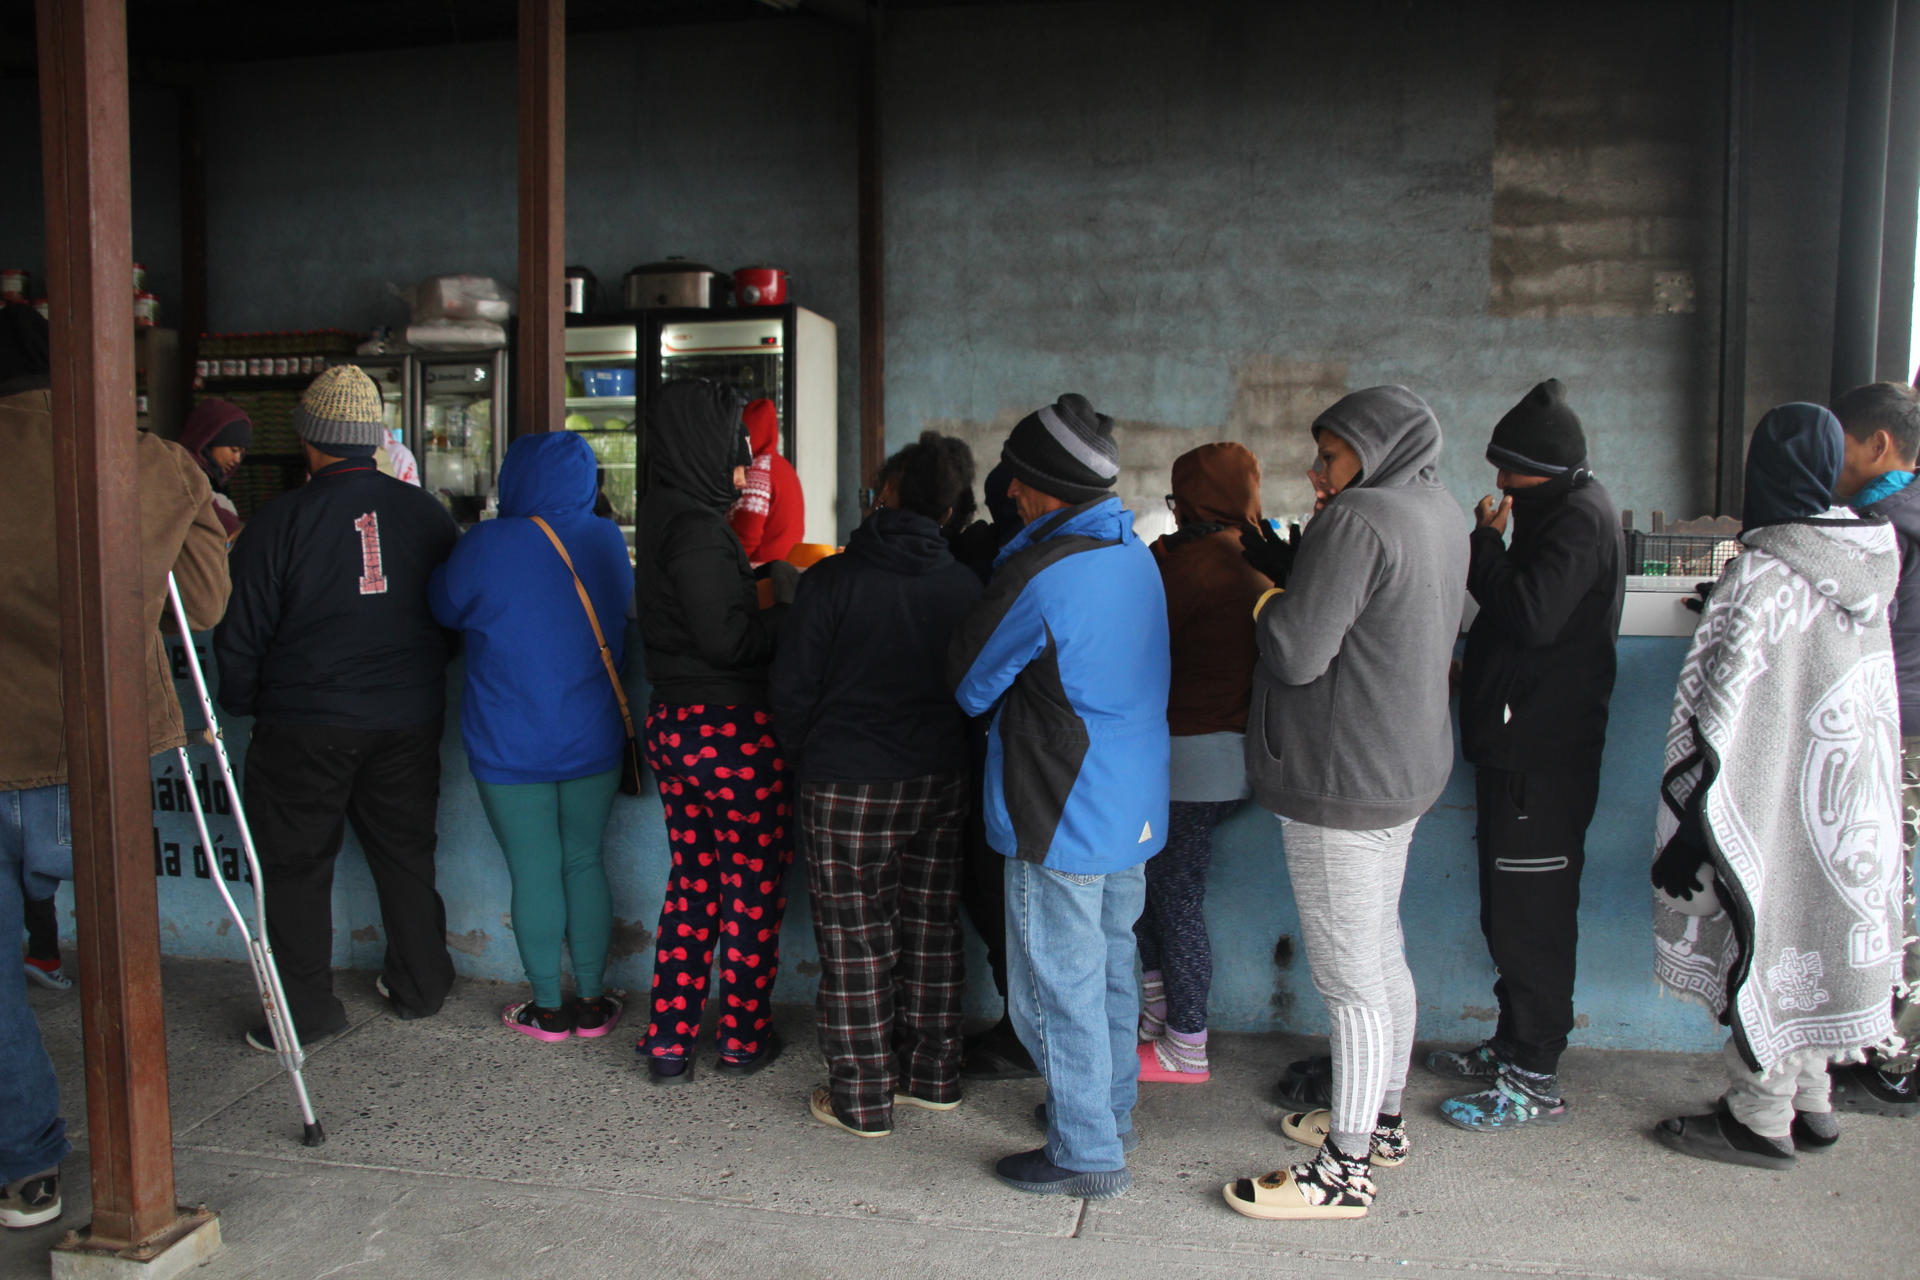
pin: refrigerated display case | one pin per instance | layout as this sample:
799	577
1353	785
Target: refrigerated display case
459	424
787	354
602	404
393	375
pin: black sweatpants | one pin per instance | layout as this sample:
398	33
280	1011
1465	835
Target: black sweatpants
303	784
1532	832
983	878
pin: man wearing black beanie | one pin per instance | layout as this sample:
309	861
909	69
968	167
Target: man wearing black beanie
1067	652
1533	719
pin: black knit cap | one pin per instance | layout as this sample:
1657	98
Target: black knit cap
1540	436
1065	450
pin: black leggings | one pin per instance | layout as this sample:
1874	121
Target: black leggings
1172	930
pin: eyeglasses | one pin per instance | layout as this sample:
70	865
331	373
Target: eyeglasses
1170	506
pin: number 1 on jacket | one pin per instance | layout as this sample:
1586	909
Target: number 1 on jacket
373	582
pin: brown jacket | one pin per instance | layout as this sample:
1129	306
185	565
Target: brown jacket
179	531
1210	589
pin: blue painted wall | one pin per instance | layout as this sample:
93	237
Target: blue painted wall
1249	904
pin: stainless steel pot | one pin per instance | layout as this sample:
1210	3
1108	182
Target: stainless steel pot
676	283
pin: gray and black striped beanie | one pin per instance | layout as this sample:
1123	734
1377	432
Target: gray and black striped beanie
341	414
1065	450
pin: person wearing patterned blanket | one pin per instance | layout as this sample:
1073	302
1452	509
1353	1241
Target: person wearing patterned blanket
1779	825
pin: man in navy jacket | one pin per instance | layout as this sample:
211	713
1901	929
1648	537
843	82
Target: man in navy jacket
329	644
1069	649
1882	423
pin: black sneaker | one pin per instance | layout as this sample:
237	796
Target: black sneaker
1862	1086
594	1018
31	1201
1032	1171
261	1037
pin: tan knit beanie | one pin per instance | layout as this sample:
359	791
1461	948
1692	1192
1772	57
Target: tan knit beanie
341	413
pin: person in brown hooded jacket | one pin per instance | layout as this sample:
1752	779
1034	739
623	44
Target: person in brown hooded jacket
1211	592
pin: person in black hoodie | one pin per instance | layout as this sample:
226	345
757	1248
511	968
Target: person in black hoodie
1535	685
861	703
1882	443
723	780
996	1053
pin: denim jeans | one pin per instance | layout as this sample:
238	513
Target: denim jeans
33	835
1071	990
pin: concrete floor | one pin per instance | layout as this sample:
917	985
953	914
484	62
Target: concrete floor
459	1150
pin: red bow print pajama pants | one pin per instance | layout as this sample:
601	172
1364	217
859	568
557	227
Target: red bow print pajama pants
728	799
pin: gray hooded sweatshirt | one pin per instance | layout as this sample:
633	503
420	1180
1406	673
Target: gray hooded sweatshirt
1350	725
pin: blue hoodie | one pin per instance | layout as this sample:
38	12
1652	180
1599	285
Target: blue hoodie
1068	648
538	706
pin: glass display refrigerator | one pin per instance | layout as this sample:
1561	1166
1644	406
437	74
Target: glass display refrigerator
459	425
787	354
393	374
602	404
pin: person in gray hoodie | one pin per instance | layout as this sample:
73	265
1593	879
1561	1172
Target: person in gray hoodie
1349	741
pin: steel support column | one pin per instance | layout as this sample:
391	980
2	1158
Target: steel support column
1894	342
83	120
873	268
1863	196
540	387
1731	435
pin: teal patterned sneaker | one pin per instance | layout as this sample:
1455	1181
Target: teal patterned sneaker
1477	1065
1509	1104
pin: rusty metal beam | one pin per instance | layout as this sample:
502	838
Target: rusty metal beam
541	385
873	271
83	114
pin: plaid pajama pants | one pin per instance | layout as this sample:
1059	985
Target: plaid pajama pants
883	865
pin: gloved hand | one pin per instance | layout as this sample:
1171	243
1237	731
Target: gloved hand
1676	872
1262	547
1698	600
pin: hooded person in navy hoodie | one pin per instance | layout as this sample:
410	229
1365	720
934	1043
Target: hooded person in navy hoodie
861	704
538	716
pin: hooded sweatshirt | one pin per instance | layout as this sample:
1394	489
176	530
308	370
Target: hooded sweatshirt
770	514
538	705
1211	589
1350	725
859	686
1068	649
1539	665
708	641
209	418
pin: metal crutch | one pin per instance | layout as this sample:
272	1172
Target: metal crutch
266	975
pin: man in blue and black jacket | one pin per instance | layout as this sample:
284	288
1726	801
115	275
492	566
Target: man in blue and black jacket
1068	649
329	644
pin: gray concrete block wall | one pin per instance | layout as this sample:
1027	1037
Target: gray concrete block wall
1213	218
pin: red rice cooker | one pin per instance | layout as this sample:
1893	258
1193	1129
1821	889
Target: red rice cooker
760	286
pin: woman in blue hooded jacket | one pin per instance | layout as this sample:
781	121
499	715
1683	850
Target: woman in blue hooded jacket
542	730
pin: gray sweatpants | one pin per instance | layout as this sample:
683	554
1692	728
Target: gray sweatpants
1765	1103
1346	885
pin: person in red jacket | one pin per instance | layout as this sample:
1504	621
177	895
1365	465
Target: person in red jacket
771	512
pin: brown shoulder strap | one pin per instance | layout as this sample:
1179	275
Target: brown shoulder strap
599	637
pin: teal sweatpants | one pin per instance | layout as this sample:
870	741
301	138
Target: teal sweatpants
550	833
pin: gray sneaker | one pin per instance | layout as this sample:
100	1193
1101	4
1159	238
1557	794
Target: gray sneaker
1478	1065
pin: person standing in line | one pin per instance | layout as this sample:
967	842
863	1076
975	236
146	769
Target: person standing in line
1535	686
42	958
542	729
1350	740
1068	649
770	516
1211	590
1778	832
330	645
723	778
181	534
996	1053
1879	450
218	434
860	703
